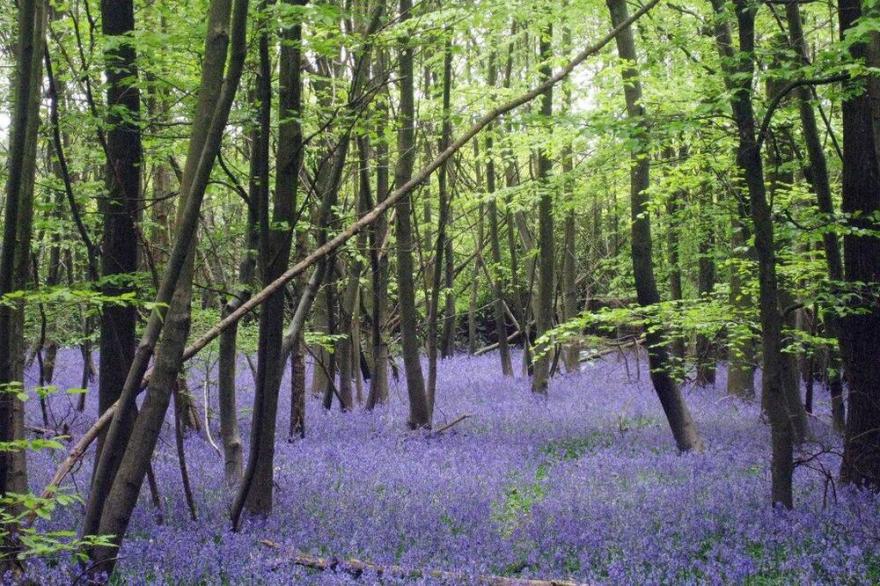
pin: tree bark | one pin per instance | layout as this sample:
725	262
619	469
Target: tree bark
379	268
818	177
230	436
673	210
498	282
275	244
441	246
705	285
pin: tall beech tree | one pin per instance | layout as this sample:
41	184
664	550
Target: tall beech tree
119	258
820	182
861	263
544	295
677	413
15	258
739	66
419	409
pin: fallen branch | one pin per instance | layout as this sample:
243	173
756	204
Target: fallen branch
357	568
73	457
449	425
364	221
485	349
612	348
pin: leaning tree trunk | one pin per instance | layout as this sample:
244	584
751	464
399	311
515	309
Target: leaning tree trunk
113	497
677	413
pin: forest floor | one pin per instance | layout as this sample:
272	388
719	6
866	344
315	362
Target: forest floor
586	486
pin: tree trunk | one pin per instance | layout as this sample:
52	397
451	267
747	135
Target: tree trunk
419	410
861	261
440	249
275	244
742	351
673	209
499	283
15	256
112	499
570	307
347	349
677	413
739	82
818	177
705	285
228	352
119	251
379	269
546	253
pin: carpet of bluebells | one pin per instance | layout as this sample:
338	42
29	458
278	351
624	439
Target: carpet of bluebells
586	486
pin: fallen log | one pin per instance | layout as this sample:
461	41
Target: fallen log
357	568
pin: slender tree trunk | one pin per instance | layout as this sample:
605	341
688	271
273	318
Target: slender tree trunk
419	409
499	282
739	81
742	352
705	285
677	413
321	356
818	177
228	353
447	336
379	268
15	256
349	348
275	244
673	209
546	249
441	248
570	309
